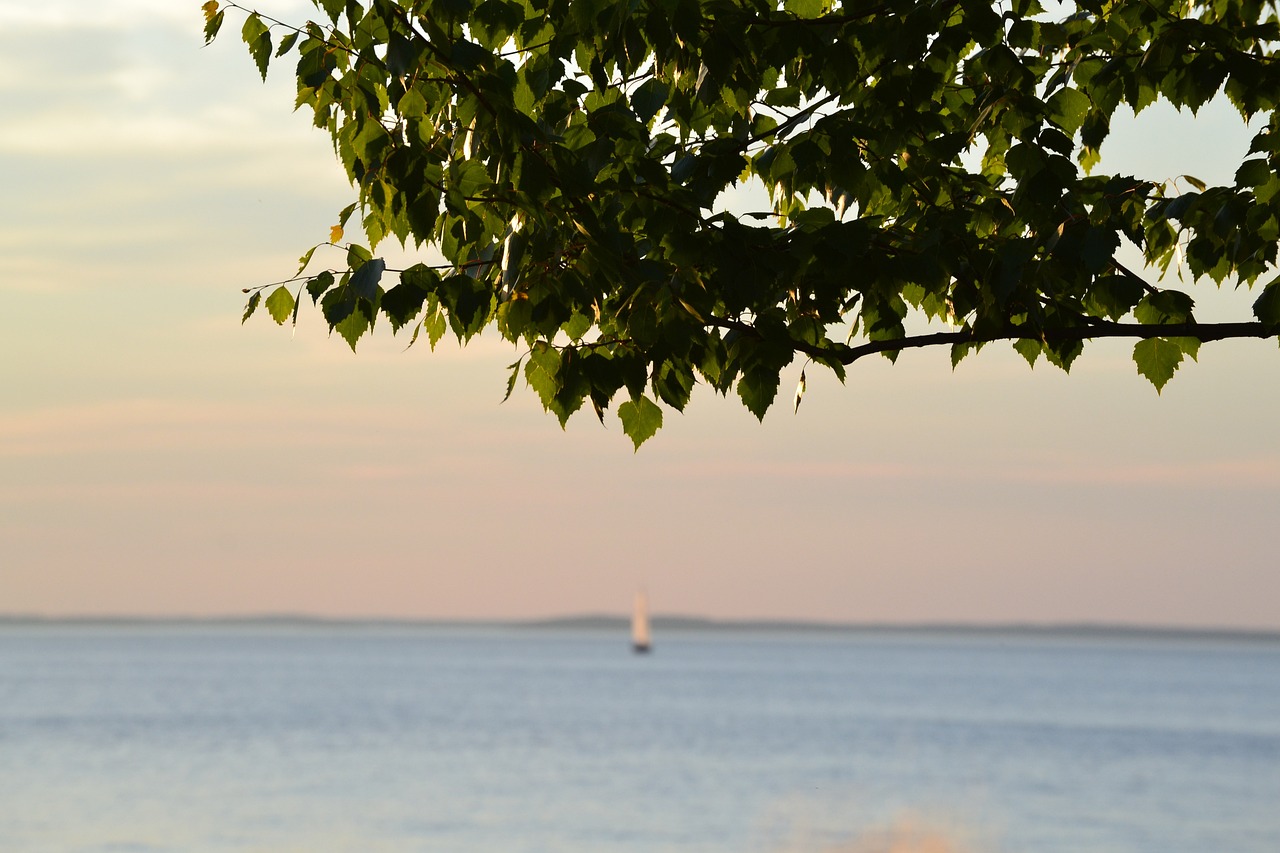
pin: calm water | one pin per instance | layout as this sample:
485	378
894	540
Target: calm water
138	738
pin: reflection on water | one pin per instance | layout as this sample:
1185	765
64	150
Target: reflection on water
906	835
902	839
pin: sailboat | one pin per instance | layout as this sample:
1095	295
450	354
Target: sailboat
640	624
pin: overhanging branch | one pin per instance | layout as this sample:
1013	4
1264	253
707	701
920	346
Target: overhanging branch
1203	332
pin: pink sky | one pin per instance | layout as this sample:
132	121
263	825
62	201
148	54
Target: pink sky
158	458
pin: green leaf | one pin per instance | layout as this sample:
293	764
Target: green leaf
960	350
287	43
1063	354
648	98
673	382
1157	359
1165	306
1029	349
212	25
251	306
402	303
306	258
1253	173
357	256
1067	109
574	386
576	326
364	281
1267	306
515	317
468	55
280	304
1114	296
1189	346
1094	130
435	325
511	379
1099	246
337	305
258	37
412	104
805	8
641	418
470	177
757	389
352	327
468	301
540	372
318	285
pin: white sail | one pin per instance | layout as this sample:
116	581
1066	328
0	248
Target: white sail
640	623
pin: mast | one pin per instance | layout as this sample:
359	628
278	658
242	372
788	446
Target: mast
640	624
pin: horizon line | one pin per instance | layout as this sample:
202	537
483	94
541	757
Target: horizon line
668	621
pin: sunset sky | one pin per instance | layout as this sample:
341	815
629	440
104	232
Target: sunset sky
158	458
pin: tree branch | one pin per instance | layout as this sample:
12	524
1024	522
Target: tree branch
1203	332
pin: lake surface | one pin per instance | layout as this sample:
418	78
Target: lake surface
451	738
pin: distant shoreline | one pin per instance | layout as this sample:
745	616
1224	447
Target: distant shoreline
664	624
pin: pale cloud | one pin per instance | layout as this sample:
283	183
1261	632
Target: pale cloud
1261	471
1256	472
148	426
375	473
103	234
129	13
164	491
124	82
94	135
133	153
121	426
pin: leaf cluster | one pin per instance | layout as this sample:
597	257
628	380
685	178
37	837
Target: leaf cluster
569	160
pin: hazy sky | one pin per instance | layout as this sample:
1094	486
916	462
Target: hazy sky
156	457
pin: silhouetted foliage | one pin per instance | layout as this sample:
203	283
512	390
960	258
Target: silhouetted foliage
567	162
